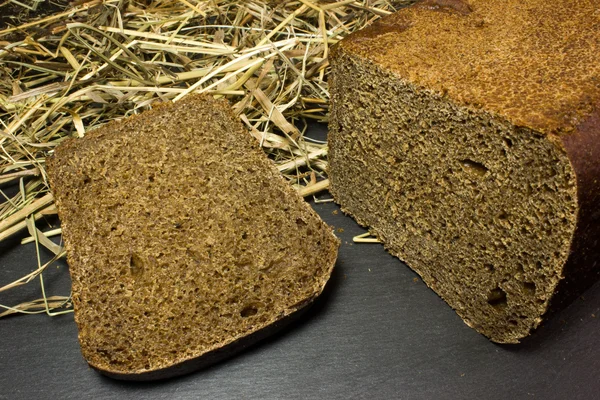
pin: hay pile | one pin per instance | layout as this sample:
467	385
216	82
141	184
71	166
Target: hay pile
72	71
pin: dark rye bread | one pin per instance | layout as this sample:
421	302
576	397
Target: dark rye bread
183	241
467	137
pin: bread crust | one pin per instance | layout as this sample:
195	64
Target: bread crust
496	55
582	268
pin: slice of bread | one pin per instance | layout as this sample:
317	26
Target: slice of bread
466	135
184	242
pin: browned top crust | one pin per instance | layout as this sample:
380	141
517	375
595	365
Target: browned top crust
534	62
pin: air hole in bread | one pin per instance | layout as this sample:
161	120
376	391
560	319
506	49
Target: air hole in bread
249	311
497	298
473	167
300	222
529	288
538	264
503	215
136	265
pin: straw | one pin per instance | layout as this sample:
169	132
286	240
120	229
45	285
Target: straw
65	74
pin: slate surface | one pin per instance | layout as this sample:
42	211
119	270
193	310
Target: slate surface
377	333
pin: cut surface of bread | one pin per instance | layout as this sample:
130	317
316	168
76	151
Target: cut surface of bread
466	135
183	241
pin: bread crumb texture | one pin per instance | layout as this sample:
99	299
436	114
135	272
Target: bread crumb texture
456	135
181	236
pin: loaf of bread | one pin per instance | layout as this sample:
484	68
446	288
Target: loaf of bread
184	243
466	135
